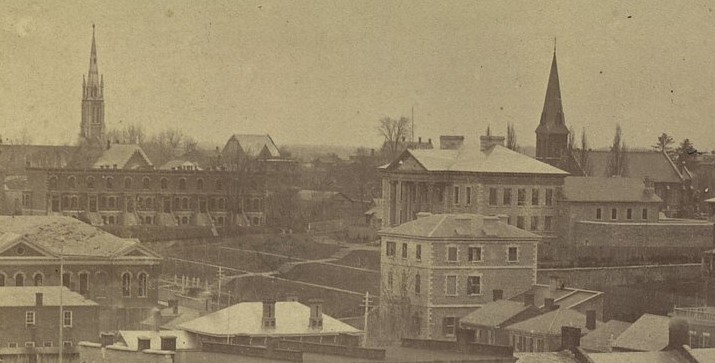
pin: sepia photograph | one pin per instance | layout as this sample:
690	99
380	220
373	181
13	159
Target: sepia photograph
338	181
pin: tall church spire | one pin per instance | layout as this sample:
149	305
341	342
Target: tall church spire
552	133
92	126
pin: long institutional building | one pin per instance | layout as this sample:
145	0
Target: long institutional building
107	183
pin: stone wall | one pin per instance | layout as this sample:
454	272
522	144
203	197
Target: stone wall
598	278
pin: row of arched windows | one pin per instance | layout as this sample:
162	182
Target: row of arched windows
142	281
142	284
128	183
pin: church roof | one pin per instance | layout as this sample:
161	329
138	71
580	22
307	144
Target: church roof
552	116
118	155
253	145
639	164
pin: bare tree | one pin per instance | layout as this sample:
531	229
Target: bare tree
584	159
394	131
617	160
571	142
511	138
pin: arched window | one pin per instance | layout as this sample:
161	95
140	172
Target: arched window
74	203
83	282
127	183
110	183
126	284
184	220
52	182
219	185
182	184
164	183
71	182
90	182
111	202
65	202
185	203
147	220
19	279
200	184
221	203
220	221
143	280
255	205
256	221
38	279
146	183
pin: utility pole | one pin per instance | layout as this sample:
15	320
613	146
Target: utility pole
220	275
62	286
366	303
412	138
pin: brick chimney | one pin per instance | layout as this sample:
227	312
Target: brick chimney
497	294
174	305
528	299
554	284
678	333
316	313
38	299
549	304
268	320
590	319
503	218
487	141
570	337
448	142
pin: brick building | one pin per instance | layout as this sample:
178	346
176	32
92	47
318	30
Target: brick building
119	274
439	268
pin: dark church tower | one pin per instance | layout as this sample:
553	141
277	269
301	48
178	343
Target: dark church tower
552	133
92	128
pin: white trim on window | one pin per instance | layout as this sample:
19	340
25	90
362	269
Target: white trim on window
481	253
508	248
456	253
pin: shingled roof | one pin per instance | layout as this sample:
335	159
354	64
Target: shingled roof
639	164
12	296
253	145
118	155
459	225
605	189
648	333
470	158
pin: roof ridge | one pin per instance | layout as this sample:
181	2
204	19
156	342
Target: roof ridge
431	233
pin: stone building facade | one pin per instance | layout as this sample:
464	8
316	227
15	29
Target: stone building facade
438	268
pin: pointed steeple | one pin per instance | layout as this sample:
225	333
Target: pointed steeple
92	126
93	74
552	116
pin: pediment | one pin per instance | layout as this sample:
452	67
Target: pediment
22	249
409	163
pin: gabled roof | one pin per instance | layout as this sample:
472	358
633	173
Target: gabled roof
607	189
600	339
253	145
292	318
648	333
70	237
550	323
639	164
495	313
25	296
458	225
552	116
120	155
469	158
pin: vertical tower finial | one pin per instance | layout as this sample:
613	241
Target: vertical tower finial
554	45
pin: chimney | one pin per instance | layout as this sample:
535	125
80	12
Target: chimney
528	299
316	313
497	294
570	337
553	284
549	304
429	141
590	319
292	297
486	142
678	333
490	225
419	139
447	142
503	218
38	299
269	314
174	305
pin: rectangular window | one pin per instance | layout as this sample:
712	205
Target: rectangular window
474	285
12	345
29	344
475	254
629	214
534	223
521	196
67	319
539	345
27	199
705	340
449	326
513	254
506	198
534	196
390	249
547	223
549	200
644	214
468	197
404	250
451	282
456	195
47	344
614	213
30	318
493	196
452	254
418	252
598	213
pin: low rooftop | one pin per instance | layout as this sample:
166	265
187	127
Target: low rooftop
495	313
607	189
648	333
459	225
565	297
17	296
550	323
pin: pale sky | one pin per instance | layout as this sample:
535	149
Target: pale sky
325	72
